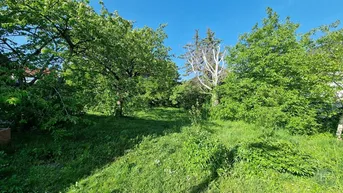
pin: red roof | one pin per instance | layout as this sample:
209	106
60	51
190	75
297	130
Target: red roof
29	72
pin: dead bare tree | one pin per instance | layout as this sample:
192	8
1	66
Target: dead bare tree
206	61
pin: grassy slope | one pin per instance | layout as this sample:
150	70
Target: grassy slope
37	162
190	161
158	152
326	151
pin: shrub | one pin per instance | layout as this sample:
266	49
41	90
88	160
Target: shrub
45	105
187	95
203	152
267	105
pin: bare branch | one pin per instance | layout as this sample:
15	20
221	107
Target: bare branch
191	62
59	95
207	63
209	66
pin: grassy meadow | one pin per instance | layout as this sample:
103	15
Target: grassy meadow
161	151
100	103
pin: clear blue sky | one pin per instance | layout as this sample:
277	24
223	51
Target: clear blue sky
227	18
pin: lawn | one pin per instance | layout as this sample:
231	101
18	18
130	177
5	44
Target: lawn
224	157
37	162
160	151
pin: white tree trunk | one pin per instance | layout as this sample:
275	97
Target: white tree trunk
340	128
201	65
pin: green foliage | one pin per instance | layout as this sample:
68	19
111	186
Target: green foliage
195	115
47	105
188	94
63	61
3	164
275	81
229	157
280	155
130	66
266	155
202	152
78	59
33	93
266	105
198	115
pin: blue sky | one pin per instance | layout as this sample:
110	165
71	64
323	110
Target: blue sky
227	18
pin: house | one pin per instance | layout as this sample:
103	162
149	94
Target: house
31	76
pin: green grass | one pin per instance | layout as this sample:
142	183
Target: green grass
210	159
325	150
158	151
37	162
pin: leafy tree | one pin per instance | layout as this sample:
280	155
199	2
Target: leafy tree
280	79
38	34
206	61
36	39
131	63
328	49
75	52
156	90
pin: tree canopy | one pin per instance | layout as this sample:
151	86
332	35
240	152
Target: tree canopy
280	78
61	57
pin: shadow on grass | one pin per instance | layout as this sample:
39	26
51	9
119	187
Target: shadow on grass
225	159
36	162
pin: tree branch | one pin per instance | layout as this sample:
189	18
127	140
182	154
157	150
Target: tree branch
64	106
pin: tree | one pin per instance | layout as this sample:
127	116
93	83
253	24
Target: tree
38	38
74	54
328	48
280	79
205	60
129	62
39	34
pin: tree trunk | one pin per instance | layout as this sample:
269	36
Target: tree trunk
215	99
119	108
340	128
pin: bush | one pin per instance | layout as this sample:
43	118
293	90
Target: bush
187	95
202	152
45	105
267	105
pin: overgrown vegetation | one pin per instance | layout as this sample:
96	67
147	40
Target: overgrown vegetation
95	104
62	62
223	157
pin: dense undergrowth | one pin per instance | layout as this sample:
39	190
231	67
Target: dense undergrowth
160	151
